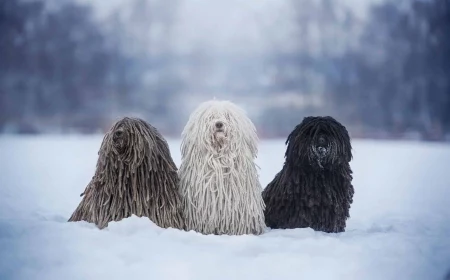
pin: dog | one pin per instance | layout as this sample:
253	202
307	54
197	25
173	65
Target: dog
314	187
219	182
135	174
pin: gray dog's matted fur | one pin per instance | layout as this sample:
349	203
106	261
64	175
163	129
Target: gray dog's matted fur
135	175
314	187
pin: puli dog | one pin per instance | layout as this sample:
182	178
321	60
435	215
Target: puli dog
219	183
314	187
135	175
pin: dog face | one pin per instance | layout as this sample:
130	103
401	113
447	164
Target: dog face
219	127
129	141
120	139
321	142
216	127
321	146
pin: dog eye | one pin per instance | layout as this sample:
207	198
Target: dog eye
118	133
322	141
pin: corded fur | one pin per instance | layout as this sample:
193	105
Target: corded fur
314	187
219	182
135	175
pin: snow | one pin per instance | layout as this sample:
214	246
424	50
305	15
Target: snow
399	226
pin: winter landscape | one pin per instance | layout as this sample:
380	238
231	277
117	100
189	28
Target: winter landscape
399	225
70	68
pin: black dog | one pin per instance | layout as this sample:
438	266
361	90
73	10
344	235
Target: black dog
314	187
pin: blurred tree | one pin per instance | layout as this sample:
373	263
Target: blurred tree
147	80
16	24
323	31
55	63
398	79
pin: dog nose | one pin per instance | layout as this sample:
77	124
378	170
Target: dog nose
219	124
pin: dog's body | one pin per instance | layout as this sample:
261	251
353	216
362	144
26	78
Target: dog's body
219	182
135	175
314	187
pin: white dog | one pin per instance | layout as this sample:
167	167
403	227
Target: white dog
219	182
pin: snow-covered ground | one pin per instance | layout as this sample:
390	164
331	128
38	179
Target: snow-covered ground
399	226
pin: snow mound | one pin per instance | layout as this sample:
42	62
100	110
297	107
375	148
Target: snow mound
399	225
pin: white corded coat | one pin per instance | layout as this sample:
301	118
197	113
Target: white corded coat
219	182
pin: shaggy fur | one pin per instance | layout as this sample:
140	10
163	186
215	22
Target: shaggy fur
219	182
135	175
314	187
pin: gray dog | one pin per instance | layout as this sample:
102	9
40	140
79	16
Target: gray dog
135	175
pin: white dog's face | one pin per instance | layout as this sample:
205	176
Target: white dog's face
220	133
219	127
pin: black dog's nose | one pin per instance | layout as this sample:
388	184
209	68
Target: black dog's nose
219	124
